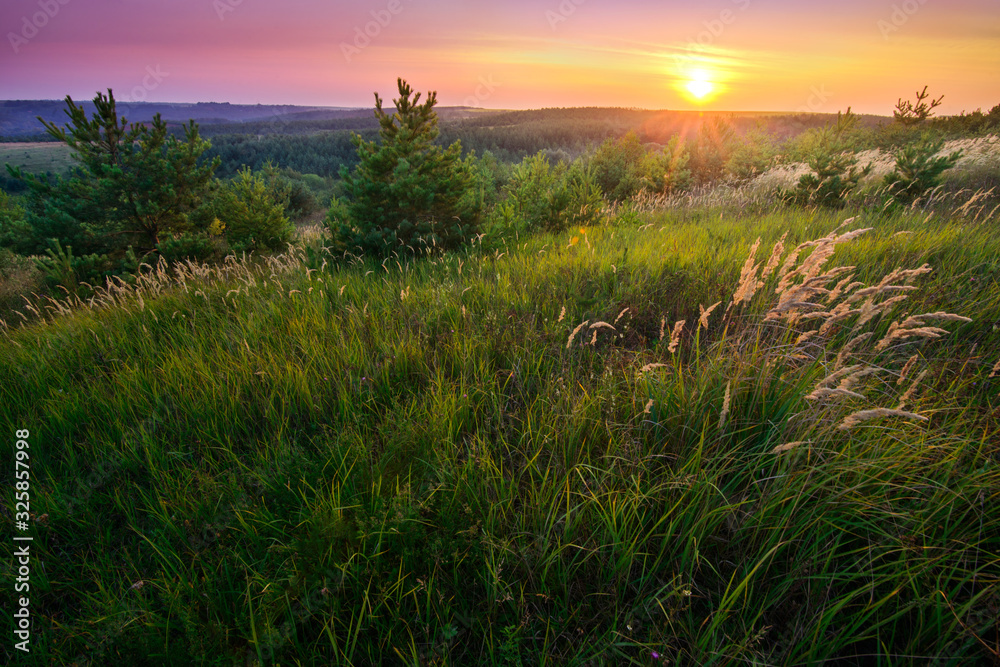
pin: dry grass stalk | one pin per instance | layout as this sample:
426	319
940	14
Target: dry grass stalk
649	406
569	341
906	368
996	370
804	338
789	445
620	315
562	315
775	257
897	332
663	325
725	407
748	278
849	347
865	415
821	393
905	398
600	325
649	367
705	312
675	336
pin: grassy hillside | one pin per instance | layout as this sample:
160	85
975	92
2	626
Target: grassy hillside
520	455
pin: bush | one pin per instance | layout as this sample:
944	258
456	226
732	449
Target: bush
711	150
198	247
917	170
834	172
18	276
14	229
61	268
752	156
407	193
252	211
543	197
623	168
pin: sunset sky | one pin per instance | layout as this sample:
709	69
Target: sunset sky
740	55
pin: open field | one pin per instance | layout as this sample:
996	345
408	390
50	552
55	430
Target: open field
37	156
520	454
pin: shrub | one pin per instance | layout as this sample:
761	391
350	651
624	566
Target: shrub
406	192
917	170
543	197
711	149
14	229
623	168
293	189
834	171
18	276
198	247
61	268
253	212
908	113
751	156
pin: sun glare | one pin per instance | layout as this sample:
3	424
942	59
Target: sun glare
699	86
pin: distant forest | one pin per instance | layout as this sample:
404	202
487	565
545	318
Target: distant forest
318	141
323	146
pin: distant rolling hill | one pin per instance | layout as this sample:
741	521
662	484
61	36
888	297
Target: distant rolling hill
19	118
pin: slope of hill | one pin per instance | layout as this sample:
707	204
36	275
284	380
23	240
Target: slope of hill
609	445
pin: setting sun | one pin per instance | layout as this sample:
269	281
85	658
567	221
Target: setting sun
699	86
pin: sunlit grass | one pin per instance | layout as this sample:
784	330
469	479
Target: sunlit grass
404	463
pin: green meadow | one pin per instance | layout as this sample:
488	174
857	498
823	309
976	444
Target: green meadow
653	441
37	156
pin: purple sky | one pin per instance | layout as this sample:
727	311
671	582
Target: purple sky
772	55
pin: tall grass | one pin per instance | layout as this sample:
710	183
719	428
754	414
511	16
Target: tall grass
310	462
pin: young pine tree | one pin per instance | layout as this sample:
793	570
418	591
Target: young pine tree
133	183
406	193
834	171
918	170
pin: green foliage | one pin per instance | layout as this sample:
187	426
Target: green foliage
407	193
134	182
751	155
14	229
199	247
251	208
491	178
546	197
917	170
294	189
62	269
711	150
835	173
623	167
